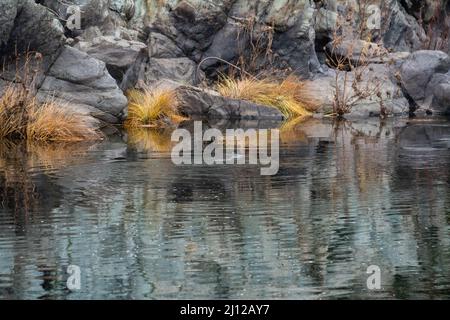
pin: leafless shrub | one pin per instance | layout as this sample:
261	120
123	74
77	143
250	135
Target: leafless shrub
353	82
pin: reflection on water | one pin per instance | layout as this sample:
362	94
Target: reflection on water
348	195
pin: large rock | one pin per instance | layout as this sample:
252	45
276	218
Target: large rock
8	12
179	69
422	72
118	54
356	52
210	104
84	81
94	12
402	30
28	27
230	29
441	93
376	79
162	60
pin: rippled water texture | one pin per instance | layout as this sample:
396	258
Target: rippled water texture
347	196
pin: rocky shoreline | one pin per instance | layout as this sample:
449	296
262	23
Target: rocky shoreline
181	45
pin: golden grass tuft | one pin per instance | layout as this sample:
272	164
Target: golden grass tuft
152	108
289	96
24	118
51	122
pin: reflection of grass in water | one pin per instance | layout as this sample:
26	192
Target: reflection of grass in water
55	156
288	96
291	131
150	139
17	161
159	140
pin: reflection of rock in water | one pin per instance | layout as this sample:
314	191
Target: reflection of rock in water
424	145
422	137
182	192
211	272
195	187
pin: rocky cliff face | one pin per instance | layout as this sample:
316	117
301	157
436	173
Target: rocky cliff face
136	43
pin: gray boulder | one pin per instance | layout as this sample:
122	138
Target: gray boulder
177	69
28	27
441	93
403	31
421	72
376	79
118	54
162	60
161	47
94	12
230	29
84	81
8	12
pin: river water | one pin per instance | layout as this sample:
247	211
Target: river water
347	196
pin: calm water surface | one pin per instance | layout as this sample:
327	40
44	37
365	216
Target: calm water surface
347	196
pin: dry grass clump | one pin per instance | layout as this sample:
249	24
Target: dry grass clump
24	118
288	96
51	122
152	108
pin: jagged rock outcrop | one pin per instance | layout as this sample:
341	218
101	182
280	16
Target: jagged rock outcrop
402	32
231	29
